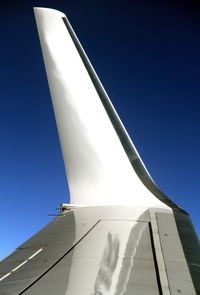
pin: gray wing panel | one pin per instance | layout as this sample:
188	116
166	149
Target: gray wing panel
39	254
178	273
190	244
101	250
114	258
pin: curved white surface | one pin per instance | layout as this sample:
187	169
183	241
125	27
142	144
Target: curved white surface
98	170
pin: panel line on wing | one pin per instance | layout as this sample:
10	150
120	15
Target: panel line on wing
65	254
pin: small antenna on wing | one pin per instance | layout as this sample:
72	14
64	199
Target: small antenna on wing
65	207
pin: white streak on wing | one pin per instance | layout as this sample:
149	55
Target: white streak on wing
5	276
21	264
14	269
37	252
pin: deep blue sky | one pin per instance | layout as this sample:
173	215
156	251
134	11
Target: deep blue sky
147	54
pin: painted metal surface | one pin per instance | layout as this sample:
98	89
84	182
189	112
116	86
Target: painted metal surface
101	250
97	150
177	269
98	170
191	246
114	258
132	248
54	241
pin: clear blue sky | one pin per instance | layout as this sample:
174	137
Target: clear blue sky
147	54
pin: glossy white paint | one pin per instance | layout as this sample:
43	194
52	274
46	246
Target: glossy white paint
98	170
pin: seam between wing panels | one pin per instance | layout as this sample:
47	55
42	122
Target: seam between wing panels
129	149
57	261
155	260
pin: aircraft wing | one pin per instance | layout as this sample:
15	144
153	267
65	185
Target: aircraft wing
120	234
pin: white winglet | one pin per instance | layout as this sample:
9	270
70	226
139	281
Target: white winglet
98	169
